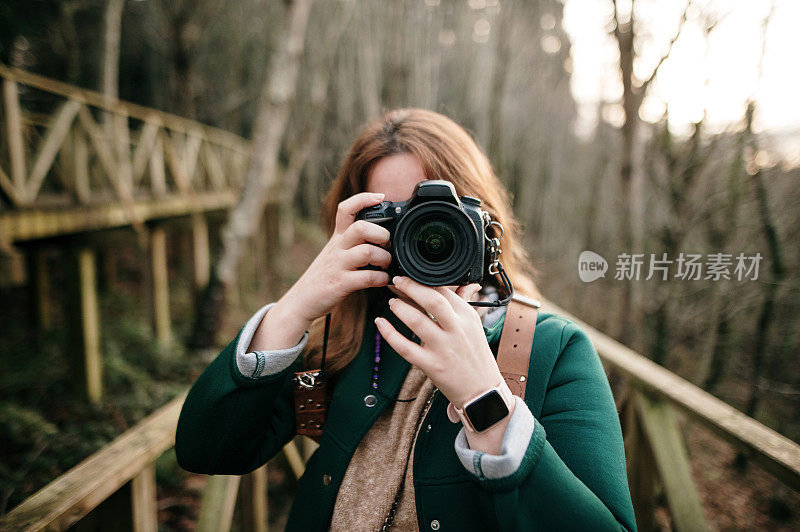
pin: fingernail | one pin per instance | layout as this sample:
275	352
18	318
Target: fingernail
378	195
392	300
395	279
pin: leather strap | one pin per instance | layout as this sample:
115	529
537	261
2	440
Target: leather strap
516	340
310	403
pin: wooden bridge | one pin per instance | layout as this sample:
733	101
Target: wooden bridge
82	164
73	163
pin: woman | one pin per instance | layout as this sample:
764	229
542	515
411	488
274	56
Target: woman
400	352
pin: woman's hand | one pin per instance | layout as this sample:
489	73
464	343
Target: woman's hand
454	352
334	272
331	276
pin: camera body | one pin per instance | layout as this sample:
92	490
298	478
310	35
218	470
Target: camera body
437	238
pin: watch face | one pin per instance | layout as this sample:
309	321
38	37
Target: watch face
486	411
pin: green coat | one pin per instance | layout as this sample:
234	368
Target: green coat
572	476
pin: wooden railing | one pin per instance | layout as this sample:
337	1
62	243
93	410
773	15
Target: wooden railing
73	160
653	444
654	450
116	486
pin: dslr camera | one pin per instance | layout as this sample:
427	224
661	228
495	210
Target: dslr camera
437	238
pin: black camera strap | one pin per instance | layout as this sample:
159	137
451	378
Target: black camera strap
499	302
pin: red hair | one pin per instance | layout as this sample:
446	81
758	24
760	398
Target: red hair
445	151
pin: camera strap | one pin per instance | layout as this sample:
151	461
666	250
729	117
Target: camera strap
516	341
310	395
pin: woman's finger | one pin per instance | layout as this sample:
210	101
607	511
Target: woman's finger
401	295
358	279
459	301
364	254
347	209
468	292
430	300
419	323
404	347
362	231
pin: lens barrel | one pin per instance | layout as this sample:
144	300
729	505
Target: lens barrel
432	242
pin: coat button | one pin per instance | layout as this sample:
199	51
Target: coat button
428	428
370	400
326	479
435	524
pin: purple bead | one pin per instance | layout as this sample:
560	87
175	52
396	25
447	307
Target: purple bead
377	359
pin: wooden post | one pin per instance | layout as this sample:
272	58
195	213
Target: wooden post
641	470
292	454
253	511
16	149
159	272
84	323
219	500
122	147
39	286
15	264
144	505
133	507
661	430
82	181
202	255
158	179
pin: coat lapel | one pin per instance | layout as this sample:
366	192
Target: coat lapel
349	417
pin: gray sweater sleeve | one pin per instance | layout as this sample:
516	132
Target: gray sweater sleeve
254	364
512	450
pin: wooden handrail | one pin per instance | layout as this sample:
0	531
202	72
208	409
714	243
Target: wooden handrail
75	493
774	452
140	112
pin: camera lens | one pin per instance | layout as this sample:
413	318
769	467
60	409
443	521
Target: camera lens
434	242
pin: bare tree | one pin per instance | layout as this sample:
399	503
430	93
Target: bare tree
633	92
245	217
113	25
777	272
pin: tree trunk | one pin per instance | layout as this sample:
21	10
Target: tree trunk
629	320
111	40
113	29
245	216
499	76
777	272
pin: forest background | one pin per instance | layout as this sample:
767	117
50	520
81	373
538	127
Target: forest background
603	118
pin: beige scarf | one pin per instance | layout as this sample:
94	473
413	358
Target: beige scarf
367	491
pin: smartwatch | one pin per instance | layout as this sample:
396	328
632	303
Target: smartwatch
485	410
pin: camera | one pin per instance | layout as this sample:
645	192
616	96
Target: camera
437	238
